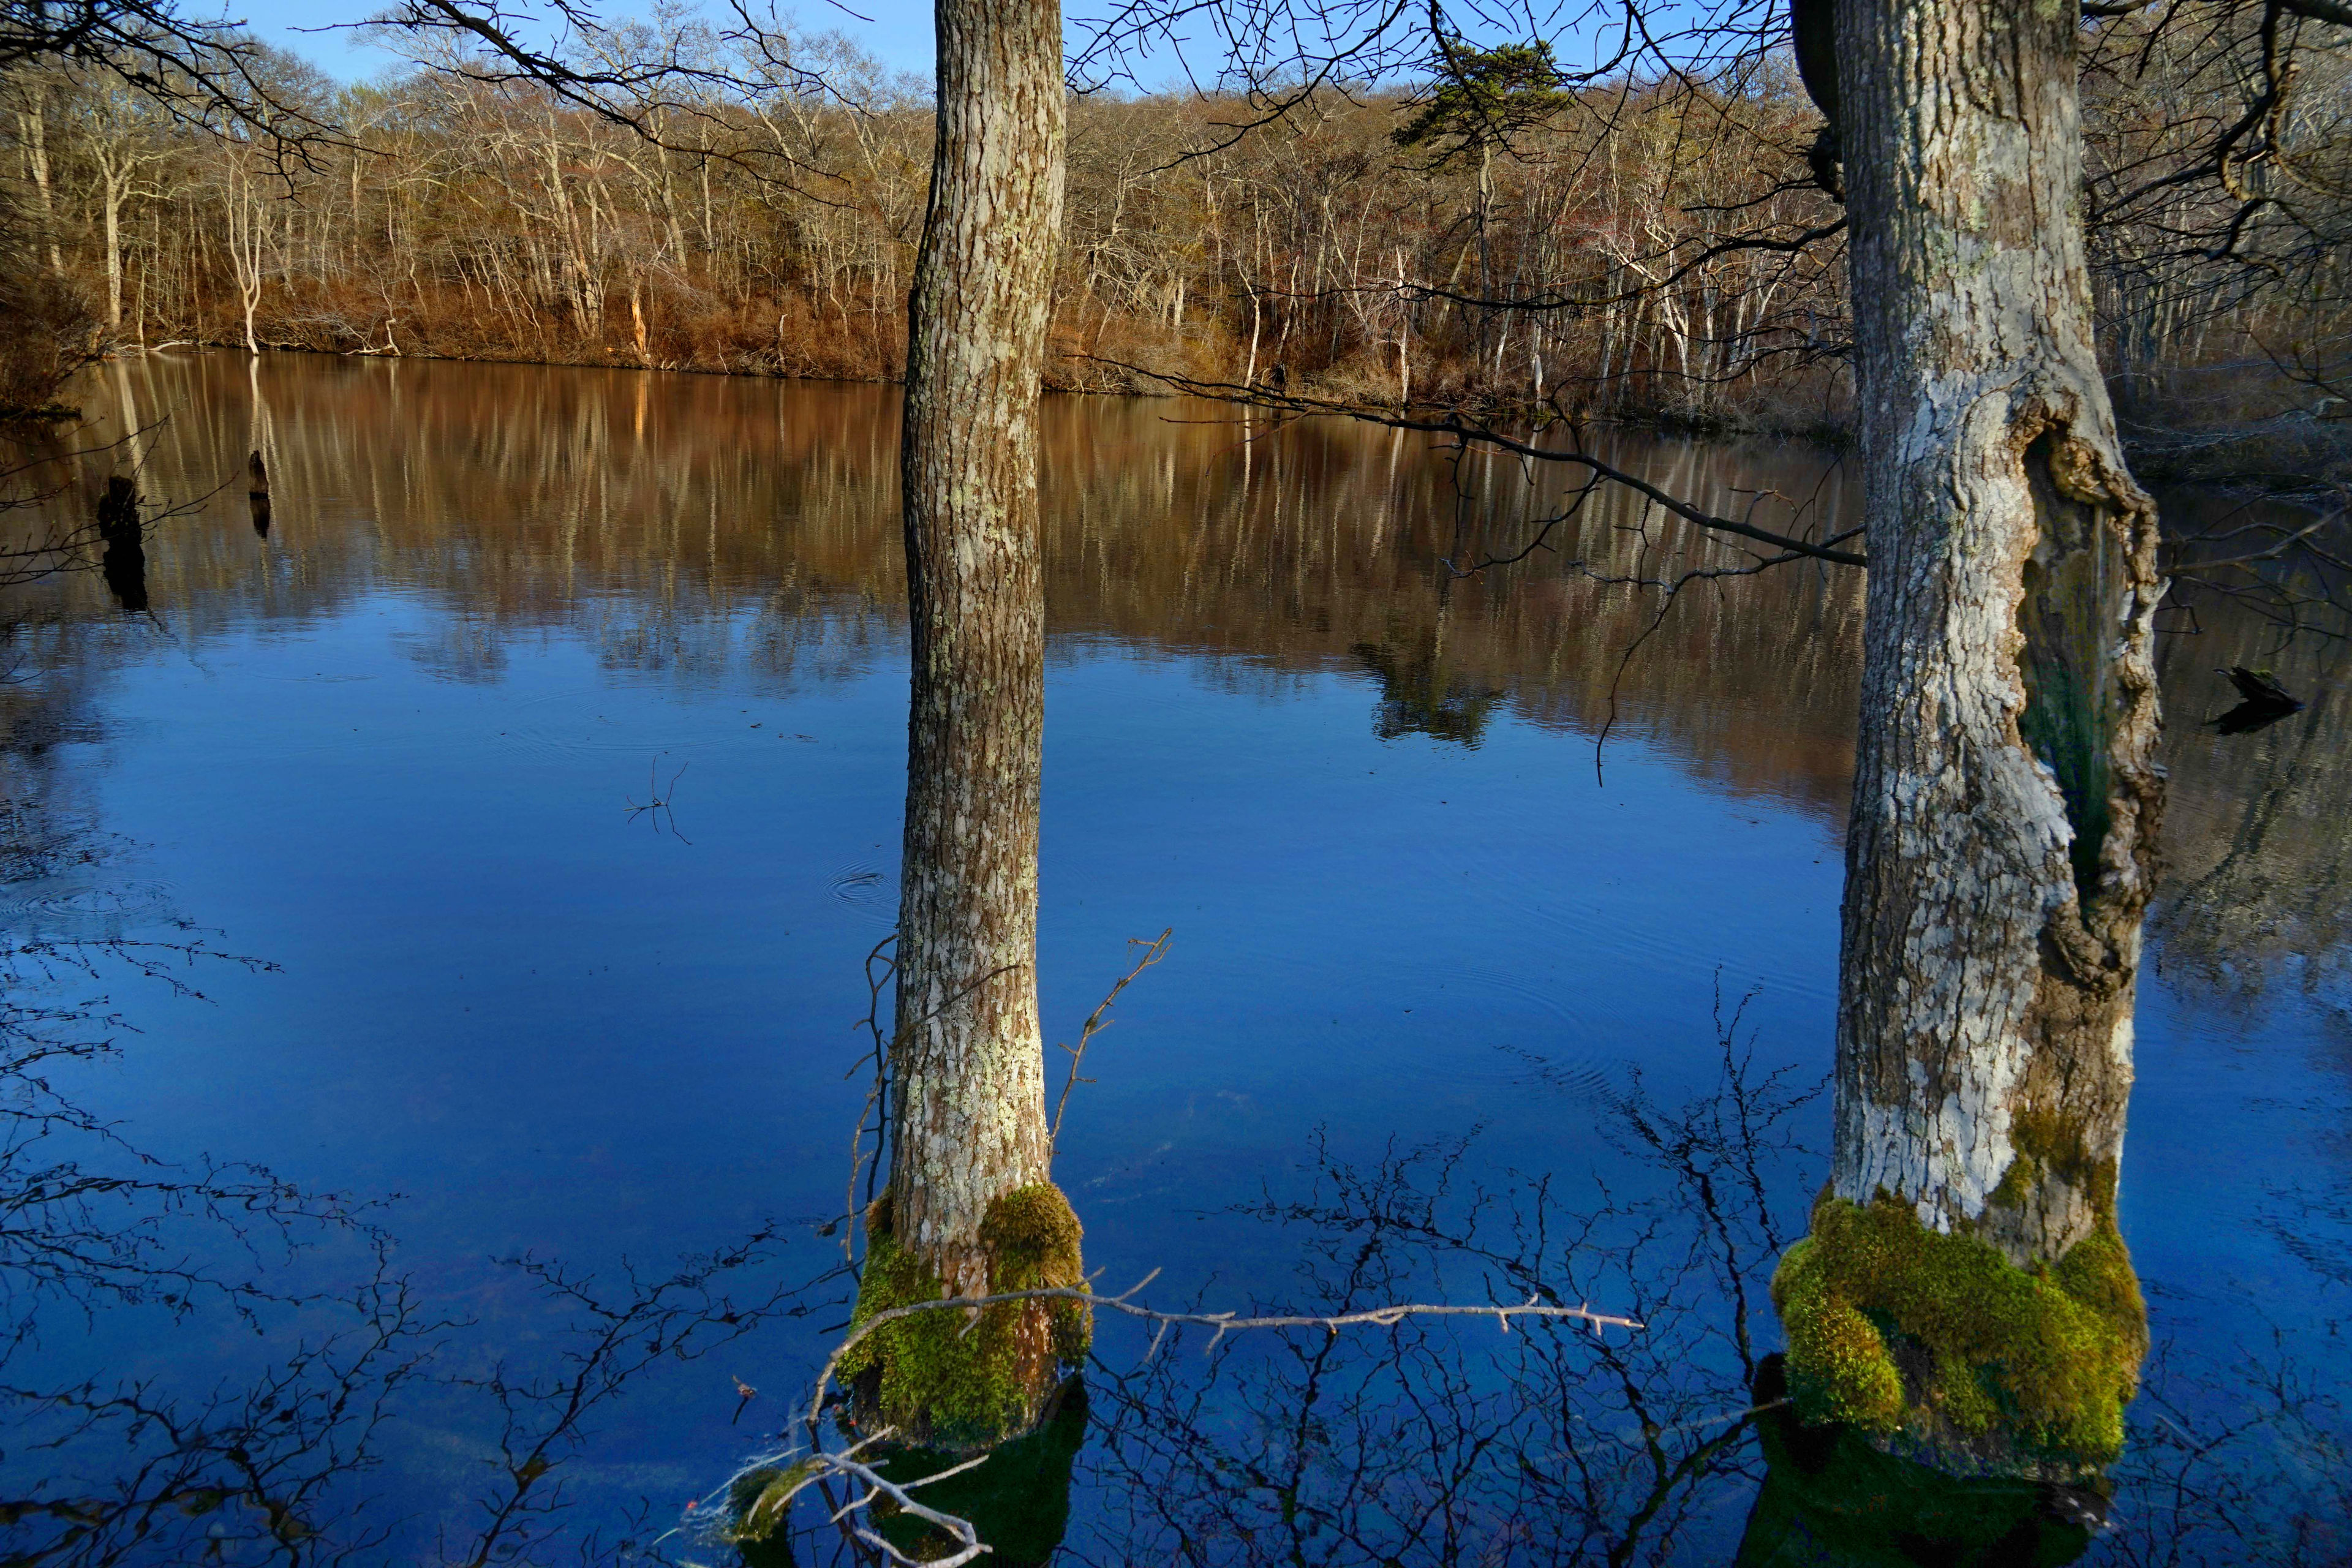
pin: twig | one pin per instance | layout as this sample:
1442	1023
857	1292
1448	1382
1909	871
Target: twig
963	1531
877	1098
813	1469
818	1464
1456	428
1153	951
659	803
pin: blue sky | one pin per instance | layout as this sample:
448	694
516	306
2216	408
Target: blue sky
897	32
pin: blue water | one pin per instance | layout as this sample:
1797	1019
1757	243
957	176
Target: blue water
395	749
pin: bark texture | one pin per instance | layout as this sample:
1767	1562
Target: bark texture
1965	1292
2001	852
967	1059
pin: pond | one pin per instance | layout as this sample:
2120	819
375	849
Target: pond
543	749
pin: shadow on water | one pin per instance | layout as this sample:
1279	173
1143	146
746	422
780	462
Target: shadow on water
1018	1498
1832	1499
2262	702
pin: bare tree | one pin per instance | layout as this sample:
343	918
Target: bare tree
1965	1294
117	127
200	67
971	1207
2003	842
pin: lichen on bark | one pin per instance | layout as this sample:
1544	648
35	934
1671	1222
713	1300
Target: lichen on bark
968	1060
1938	1341
942	1380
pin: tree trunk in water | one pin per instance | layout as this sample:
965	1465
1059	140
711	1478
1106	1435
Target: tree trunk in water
1965	1295
970	1206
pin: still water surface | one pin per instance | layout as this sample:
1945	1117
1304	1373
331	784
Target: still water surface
1442	967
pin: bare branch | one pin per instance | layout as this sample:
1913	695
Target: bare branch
1154	950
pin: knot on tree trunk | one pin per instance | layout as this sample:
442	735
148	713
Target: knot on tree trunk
2097	966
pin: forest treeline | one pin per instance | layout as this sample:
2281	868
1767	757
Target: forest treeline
1626	249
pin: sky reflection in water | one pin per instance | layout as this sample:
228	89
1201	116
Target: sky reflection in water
392	748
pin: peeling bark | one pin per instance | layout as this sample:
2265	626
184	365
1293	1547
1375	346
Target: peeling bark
2006	798
966	1061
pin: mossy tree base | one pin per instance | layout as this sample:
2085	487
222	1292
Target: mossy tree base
1938	1347
941	1381
1832	1499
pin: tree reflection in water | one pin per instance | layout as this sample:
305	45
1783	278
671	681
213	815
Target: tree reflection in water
1420	1443
1426	1444
2260	884
1433	1443
1418	696
97	1230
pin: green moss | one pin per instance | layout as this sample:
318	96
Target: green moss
1032	1235
2018	1183
1830	1499
938	1377
1848	1376
2042	1359
760	1502
2049	1143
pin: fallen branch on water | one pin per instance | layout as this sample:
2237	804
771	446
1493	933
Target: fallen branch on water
1223	1323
